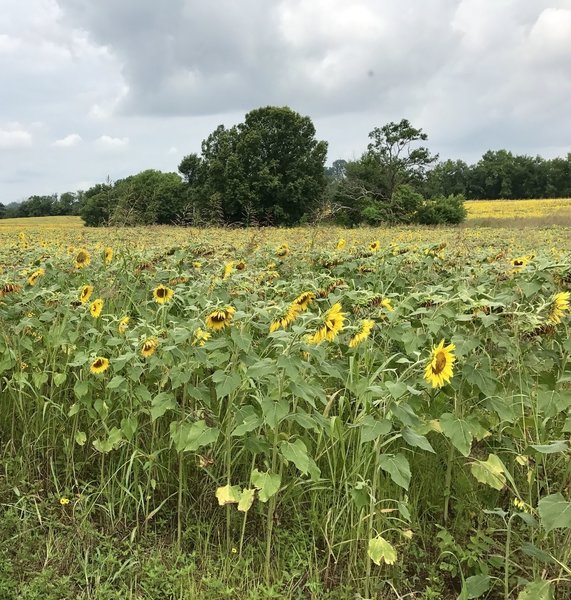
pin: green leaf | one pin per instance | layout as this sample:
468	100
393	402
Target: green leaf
161	403
246	499
396	389
59	378
189	437
129	426
250	421
559	446
228	494
371	428
555	512
112	442
297	454
80	438
226	383
262	368
397	467
116	382
414	439
476	586
379	550
535	552
490	472
81	388
458	432
537	590
267	484
274	411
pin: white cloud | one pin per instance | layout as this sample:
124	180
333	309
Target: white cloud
107	142
14	138
68	141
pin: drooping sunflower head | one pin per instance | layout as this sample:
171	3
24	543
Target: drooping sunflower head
85	293
201	337
82	258
439	369
332	324
96	307
341	244
149	346
363	333
559	306
124	324
162	294
33	278
282	250
9	288
375	246
108	255
286	318
304	300
99	365
522	261
221	318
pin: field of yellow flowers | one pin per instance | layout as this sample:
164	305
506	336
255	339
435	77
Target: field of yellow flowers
304	413
522	212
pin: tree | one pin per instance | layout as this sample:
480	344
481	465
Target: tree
268	168
2	211
98	203
398	161
448	177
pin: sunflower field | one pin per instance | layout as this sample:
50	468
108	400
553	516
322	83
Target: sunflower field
304	413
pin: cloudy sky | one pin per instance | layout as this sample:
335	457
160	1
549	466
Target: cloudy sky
97	88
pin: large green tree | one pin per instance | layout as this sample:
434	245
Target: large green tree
270	169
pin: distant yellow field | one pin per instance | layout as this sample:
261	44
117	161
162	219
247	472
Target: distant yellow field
556	208
41	222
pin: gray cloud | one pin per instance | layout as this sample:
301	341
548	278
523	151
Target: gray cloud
474	74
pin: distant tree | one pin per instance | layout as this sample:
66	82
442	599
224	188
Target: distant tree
337	170
448	177
98	204
2	211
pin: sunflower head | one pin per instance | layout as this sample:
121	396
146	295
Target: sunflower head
200	337
162	294
363	333
124	324
287	317
85	293
282	250
9	288
221	318
108	255
82	258
439	369
99	365
559	306
96	308
33	278
332	324
375	246
149	346
341	244
304	300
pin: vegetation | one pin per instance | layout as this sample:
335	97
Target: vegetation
265	413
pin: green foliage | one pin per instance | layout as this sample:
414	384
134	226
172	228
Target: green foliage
441	211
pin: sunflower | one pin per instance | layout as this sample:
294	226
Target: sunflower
240	265
375	246
341	244
522	261
197	265
287	318
149	346
33	278
99	365
559	306
332	325
108	255
363	333
282	250
219	319
162	294
201	337
124	324
85	293
96	308
82	258
386	303
304	300
10	288
439	368
228	268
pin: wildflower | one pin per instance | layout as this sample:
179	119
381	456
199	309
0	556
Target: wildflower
33	278
439	368
149	346
162	294
375	246
282	250
559	306
99	365
124	324
64	501
96	308
341	244
332	325
85	293
201	337
366	328
219	319
108	255
82	258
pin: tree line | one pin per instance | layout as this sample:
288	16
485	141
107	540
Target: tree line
270	170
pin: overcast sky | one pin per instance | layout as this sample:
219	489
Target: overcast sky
97	88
